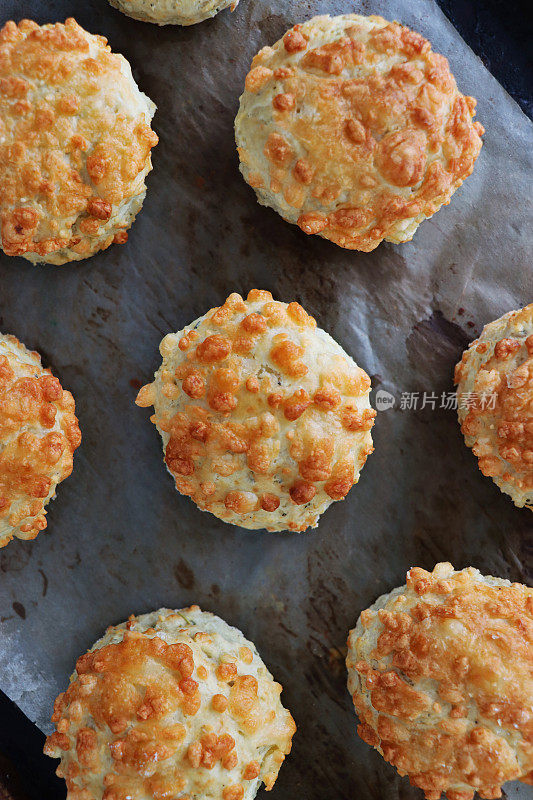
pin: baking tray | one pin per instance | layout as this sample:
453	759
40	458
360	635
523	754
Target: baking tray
121	540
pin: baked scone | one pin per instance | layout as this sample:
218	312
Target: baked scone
352	128
441	676
173	12
172	704
38	435
495	402
265	420
75	143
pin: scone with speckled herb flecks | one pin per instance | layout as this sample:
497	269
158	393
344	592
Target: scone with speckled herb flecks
441	675
75	143
172	704
265	420
495	402
173	12
352	128
38	435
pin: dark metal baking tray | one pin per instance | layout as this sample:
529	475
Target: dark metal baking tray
121	539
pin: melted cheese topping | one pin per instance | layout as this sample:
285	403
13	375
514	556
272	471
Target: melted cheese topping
38	435
265	419
173	12
352	128
495	402
75	142
441	676
170	704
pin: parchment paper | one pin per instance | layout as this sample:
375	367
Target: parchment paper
121	539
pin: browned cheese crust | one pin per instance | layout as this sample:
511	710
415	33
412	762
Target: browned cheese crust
441	673
183	710
495	401
75	142
354	129
265	420
38	435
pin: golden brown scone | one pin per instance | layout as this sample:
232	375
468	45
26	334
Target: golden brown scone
173	12
441	676
495	402
38	435
75	143
352	128
172	704
265	420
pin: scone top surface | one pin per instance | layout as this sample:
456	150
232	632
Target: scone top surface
352	128
265	419
75	142
173	12
441	675
38	435
495	402
173	704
